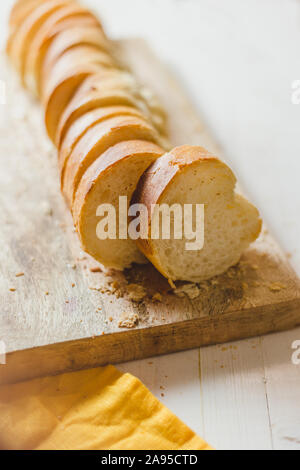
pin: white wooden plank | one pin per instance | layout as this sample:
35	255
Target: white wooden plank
234	396
283	389
174	379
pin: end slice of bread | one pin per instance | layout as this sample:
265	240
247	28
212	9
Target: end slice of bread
191	175
116	173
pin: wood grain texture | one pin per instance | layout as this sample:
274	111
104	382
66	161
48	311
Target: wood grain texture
56	320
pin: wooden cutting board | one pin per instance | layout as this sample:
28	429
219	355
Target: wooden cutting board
60	316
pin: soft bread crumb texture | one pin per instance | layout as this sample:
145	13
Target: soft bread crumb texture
190	175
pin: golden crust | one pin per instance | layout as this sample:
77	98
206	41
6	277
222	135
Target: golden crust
155	181
109	159
81	104
67	17
20	10
137	155
84	123
80	56
21	38
61	87
96	141
71	38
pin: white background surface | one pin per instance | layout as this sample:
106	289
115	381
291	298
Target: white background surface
237	60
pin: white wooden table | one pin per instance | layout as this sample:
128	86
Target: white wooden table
238	61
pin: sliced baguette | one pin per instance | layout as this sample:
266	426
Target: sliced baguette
68	17
84	123
20	41
116	173
191	175
96	141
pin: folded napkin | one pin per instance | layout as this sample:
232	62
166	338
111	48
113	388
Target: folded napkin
94	409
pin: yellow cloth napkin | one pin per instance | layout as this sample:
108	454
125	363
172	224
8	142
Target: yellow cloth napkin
94	409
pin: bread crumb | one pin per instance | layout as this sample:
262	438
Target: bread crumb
99	289
110	319
276	286
204	286
19	274
73	284
128	320
95	269
47	209
136	292
157	297
46	293
115	285
12	289
191	290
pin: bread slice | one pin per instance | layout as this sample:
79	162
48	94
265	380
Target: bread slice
68	17
64	80
191	175
80	105
20	10
96	141
84	123
116	173
125	80
22	37
108	88
71	38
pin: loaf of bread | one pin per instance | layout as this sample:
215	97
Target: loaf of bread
113	153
